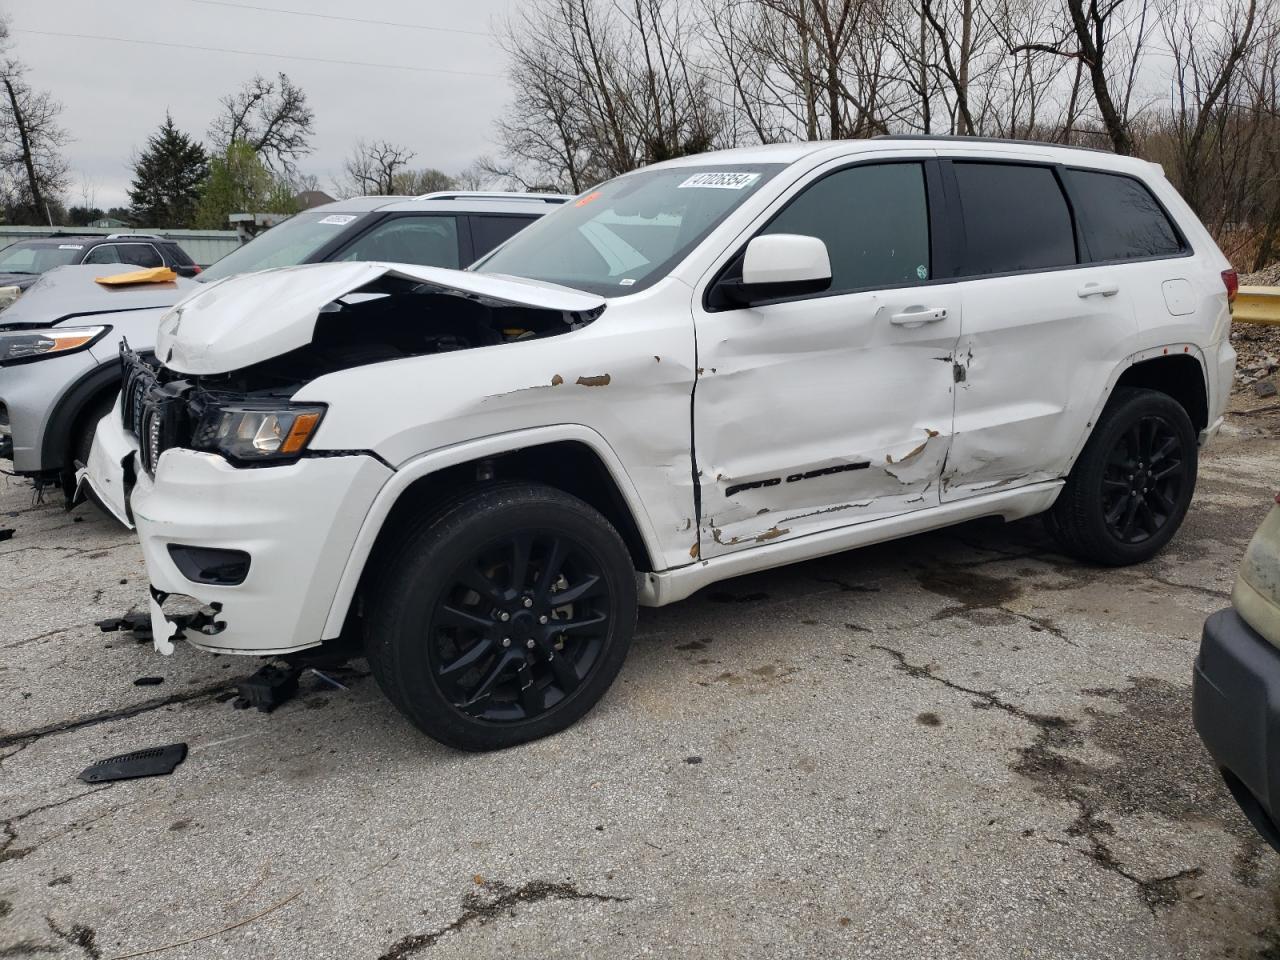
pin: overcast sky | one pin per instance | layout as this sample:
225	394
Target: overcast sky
115	94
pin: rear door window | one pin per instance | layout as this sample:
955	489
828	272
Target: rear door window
103	253
1120	217
488	232
874	219
1015	218
430	241
140	254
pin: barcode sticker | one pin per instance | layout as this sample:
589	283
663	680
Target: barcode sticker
721	181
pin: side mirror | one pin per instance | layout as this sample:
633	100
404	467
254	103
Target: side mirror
779	265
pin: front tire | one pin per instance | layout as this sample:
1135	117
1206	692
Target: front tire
504	618
1129	491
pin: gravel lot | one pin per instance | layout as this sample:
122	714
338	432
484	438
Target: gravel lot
959	745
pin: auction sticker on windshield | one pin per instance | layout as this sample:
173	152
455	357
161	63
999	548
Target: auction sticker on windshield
338	218
721	181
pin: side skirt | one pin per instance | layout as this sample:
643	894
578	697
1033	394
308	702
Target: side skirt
668	586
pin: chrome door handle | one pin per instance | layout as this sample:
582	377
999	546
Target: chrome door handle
915	316
1094	289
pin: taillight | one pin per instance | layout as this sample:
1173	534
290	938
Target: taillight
1231	280
196	268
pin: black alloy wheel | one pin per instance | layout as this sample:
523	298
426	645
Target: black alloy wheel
502	617
1130	487
519	626
1143	481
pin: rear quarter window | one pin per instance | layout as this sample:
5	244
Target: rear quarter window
1121	218
178	255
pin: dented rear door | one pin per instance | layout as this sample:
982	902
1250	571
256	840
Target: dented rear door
1042	333
833	409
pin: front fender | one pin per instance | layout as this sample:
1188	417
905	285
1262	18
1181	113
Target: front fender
415	469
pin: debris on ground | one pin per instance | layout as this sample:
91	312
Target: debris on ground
150	762
267	688
6	533
148	681
1265	388
139	624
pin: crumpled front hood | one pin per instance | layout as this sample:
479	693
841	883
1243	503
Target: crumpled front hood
237	322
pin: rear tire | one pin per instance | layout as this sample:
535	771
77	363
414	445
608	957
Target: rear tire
1129	491
503	618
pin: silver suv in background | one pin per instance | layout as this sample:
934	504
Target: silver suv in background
59	367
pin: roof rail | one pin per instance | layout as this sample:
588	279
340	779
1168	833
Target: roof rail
493	195
135	236
966	139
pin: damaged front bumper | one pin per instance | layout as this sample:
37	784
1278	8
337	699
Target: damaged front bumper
296	523
293	526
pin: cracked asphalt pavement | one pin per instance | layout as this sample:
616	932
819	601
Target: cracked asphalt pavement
958	745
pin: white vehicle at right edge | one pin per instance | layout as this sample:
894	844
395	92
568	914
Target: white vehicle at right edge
711	366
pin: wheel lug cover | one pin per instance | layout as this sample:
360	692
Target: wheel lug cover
529	643
506	641
543	618
528	602
504	616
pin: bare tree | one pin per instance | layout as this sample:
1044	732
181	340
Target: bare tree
31	163
1109	39
272	117
417	182
372	167
1210	44
601	88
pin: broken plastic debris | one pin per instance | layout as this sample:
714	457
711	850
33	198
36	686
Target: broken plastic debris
267	688
133	622
148	681
6	533
151	762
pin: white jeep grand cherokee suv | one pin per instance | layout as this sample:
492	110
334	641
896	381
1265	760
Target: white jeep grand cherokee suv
710	366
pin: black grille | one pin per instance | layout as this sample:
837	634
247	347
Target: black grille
155	416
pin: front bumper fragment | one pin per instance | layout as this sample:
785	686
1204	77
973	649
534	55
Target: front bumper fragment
110	472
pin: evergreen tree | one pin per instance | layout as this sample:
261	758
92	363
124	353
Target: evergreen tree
167	178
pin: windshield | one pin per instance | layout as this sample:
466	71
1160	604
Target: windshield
628	233
28	257
284	245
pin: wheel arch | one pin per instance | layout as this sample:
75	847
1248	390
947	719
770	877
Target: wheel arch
569	457
1177	373
70	409
1176	369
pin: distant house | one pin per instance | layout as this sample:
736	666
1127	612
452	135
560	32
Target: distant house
312	198
108	223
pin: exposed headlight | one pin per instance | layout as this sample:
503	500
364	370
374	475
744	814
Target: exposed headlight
8	295
258	431
19	345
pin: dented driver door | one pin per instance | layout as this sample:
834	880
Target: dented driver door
832	409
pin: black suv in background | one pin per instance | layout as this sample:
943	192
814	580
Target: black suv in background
22	263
